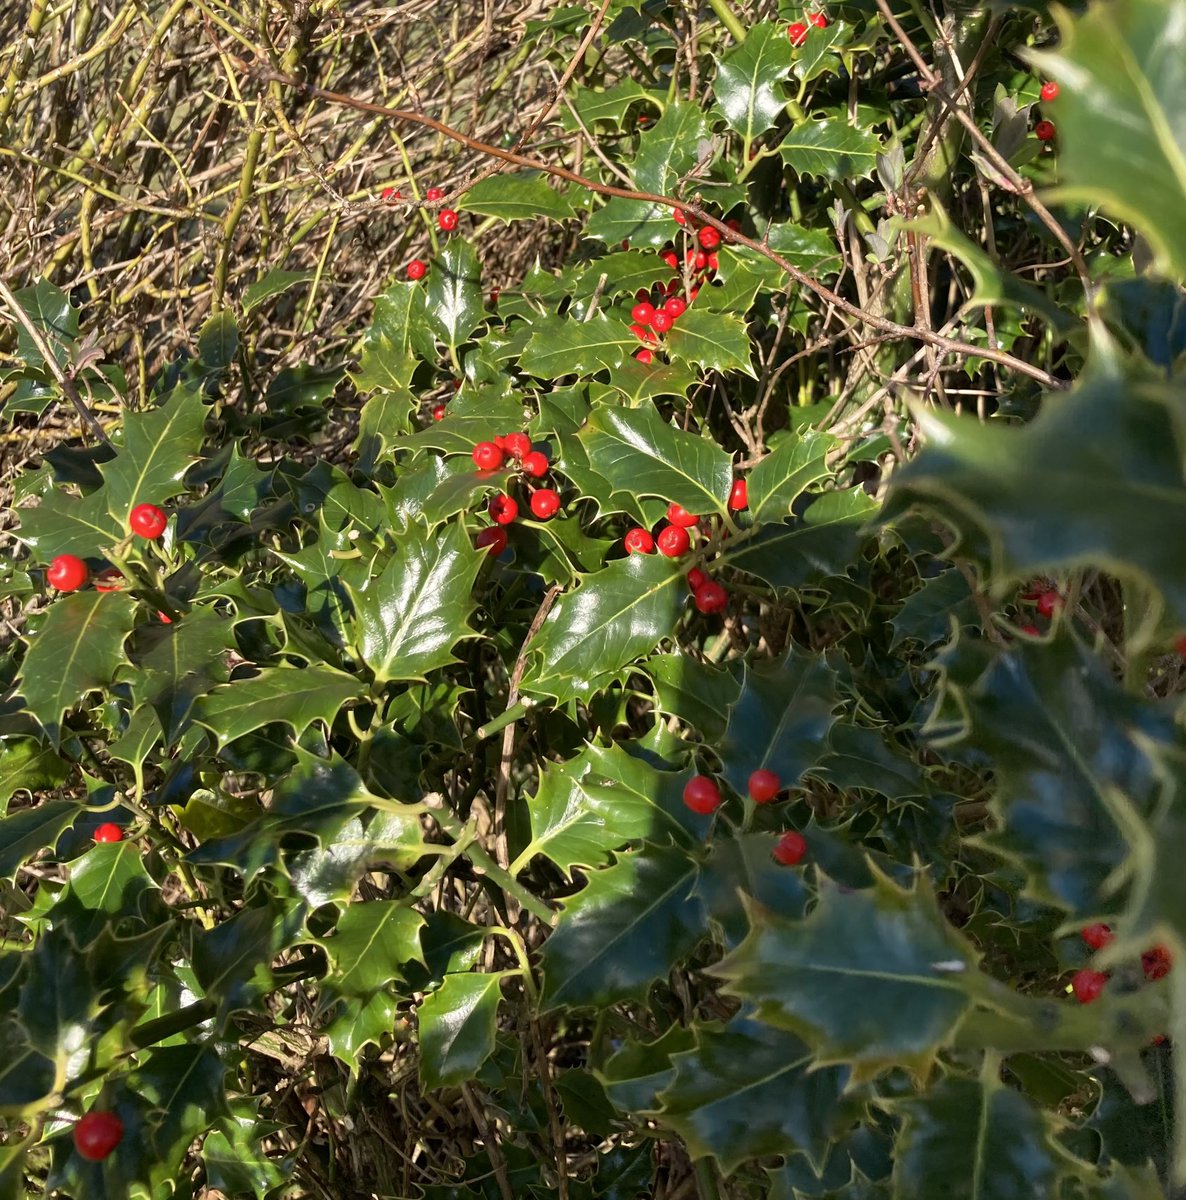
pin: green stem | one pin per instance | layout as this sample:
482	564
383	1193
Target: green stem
728	18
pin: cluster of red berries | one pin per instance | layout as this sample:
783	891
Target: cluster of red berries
1156	963
67	572
1044	131
702	795
447	219
544	502
798	31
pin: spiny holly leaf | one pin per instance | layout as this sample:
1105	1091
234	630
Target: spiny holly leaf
830	149
234	1157
614	616
641	222
748	85
458	1023
77	650
109	882
859	757
815	57
384	417
780	720
515	196
634	1075
358	1023
696	692
63	523
27	766
1119	116
670	149
637	451
397	334
1073	486
789	470
49	309
1076	759
969	1137
368	945
874	977
631	925
611	103
714	340
598	801
455	305
25	832
562	346
927	614
295	696
410	617
747	1090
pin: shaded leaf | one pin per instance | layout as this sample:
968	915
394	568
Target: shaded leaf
457	1026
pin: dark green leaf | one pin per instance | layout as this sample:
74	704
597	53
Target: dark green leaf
24	833
748	84
274	283
454	298
716	341
218	341
562	346
458	1023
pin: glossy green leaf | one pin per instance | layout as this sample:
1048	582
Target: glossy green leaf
458	1023
782	476
454	302
218	341
50	311
517	195
27	766
713	340
274	283
696	692
562	346
25	832
369	943
860	757
830	149
748	85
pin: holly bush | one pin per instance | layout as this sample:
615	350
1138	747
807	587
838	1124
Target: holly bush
374	798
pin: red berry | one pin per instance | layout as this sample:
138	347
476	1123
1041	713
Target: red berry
438	412
764	786
678	515
700	260
709	238
1049	91
433	194
671	259
1097	936
714	262
643	334
109	580
504	509
818	20
67	573
733	224
1087	985
1180	644
417	269
673	542
675	307
494	295
639	541
644	356
1156	963
488	457
97	1134
535	464
109	831
797	33
696	578
790	849
147	521
702	795
1049	603
1031	630
661	322
517	444
391	193
1044	131
447	220
739	495
679	217
642	313
164	618
545	503
495	538
711	598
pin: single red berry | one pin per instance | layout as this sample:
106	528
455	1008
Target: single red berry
433	194
714	263
494	295
97	1134
391	193
1156	963
701	260
109	831
675	307
517	445
67	573
673	541
671	259
702	795
818	20
679	217
696	578
545	503
639	541
790	849
147	521
1031	630
110	579
642	333
1087	985
642	313
1180	644
739	495
504	509
709	238
438	412
661	321
678	515
1097	936
1049	91
645	356
733	224
488	456
764	786
417	269
164	618
1049	603
711	598
1044	131
797	33
494	538
447	220
535	464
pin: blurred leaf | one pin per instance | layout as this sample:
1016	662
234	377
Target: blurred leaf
927	614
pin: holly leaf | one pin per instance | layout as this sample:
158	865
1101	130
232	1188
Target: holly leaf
27	766
641	222
562	346
696	692
458	1023
455	306
368	945
786	473
397	333
830	149
926	616
77	650
874	976
515	196
63	523
858	757
716	341
24	833
410	617
748	84
274	283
